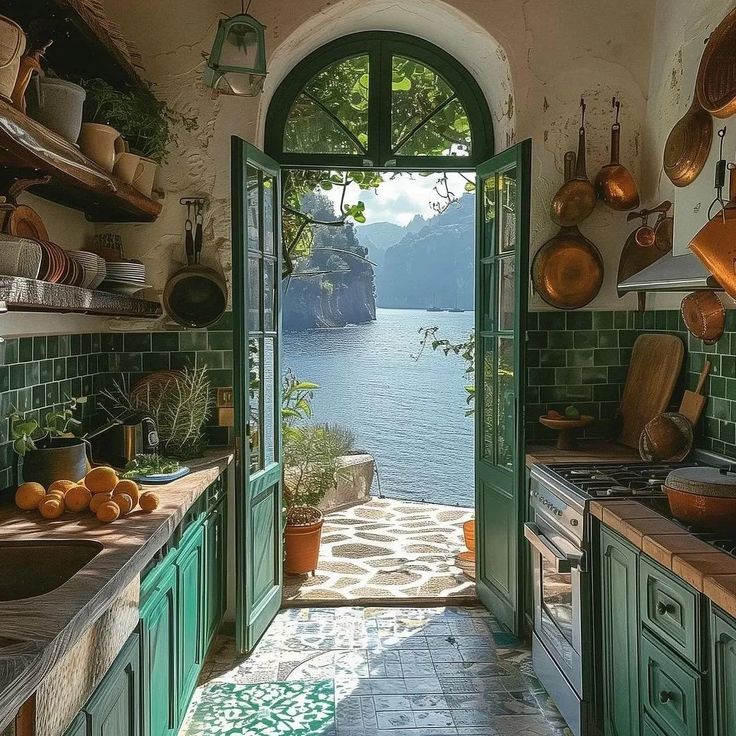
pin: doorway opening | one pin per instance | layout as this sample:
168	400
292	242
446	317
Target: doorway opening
367	313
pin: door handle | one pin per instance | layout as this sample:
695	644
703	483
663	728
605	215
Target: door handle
564	563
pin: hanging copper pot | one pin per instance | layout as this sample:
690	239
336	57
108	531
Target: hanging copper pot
614	184
716	83
576	198
704	316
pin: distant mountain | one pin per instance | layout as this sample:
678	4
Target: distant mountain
430	264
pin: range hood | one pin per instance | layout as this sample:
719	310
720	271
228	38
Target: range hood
671	273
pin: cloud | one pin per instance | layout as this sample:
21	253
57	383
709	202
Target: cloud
399	198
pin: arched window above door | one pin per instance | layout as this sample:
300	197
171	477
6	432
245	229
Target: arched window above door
379	100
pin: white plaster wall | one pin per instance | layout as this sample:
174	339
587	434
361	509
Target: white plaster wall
533	59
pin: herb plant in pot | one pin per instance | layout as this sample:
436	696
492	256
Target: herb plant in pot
49	448
311	456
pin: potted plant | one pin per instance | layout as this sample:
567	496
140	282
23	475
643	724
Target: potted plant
311	456
49	448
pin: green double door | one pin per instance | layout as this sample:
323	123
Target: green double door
502	266
257	260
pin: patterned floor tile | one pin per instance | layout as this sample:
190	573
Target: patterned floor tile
391	672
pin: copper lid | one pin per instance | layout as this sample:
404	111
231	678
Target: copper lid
703	481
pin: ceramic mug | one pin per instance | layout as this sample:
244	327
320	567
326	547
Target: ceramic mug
144	182
101	143
129	168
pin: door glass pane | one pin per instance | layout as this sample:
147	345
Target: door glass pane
486	296
254	294
252	209
505	419
255	393
507	214
269	295
269	194
269	388
489	216
488	441
506	293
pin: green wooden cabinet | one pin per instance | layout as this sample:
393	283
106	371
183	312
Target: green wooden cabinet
113	709
190	577
620	635
723	653
159	620
78	726
215	531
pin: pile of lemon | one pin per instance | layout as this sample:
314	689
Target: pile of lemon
100	492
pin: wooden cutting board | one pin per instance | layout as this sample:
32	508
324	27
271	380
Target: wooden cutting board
693	402
656	362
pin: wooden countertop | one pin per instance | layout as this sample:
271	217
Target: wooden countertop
47	626
588	451
707	569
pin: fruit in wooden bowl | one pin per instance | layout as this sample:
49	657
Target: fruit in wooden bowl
566	425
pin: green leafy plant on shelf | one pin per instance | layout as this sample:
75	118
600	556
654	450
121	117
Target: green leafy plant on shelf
144	121
29	433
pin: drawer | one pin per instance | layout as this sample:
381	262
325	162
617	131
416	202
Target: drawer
670	692
671	609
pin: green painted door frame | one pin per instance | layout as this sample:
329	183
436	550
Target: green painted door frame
502	268
257	267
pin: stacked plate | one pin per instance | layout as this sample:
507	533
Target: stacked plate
20	257
93	267
125	277
57	267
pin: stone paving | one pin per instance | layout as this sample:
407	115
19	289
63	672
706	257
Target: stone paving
387	549
392	672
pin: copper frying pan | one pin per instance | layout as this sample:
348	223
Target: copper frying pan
716	83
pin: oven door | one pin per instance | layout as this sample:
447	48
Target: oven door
557	579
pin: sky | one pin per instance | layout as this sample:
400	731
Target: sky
399	198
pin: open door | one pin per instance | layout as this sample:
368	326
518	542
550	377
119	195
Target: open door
256	238
502	265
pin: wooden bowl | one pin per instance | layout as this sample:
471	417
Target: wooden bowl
567	439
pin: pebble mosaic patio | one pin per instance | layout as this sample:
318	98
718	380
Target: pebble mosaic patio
375	672
387	549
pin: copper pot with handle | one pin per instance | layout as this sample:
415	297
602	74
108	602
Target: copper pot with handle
704	497
704	316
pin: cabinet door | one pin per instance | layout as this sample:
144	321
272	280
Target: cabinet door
724	673
620	636
78	726
158	657
190	577
113	710
216	546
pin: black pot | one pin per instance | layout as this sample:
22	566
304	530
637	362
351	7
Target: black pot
62	459
195	296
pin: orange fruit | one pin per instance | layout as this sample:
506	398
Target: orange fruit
97	500
28	496
51	508
62	485
124	501
77	498
108	511
101	480
130	488
58	493
149	501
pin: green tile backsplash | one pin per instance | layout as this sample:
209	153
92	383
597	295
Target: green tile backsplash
38	373
582	358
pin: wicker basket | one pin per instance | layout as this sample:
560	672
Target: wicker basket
12	46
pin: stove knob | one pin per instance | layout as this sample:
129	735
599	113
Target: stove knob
558	512
573	522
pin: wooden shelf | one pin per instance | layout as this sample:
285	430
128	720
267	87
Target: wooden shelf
30	295
29	149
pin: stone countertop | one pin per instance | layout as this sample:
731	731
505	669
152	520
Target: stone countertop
707	569
36	632
588	451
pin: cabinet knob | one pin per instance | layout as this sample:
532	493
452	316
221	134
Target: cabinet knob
663	608
665	696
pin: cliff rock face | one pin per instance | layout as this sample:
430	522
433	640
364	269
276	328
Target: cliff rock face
331	287
432	264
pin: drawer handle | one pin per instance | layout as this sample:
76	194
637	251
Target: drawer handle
664	608
665	696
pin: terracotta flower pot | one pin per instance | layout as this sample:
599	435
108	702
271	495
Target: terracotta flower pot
469	534
63	459
302	538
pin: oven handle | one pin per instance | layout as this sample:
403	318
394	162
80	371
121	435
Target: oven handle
563	563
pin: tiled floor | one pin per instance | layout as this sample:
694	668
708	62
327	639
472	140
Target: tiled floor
387	549
393	671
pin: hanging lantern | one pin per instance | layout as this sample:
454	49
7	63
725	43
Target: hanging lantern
237	64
